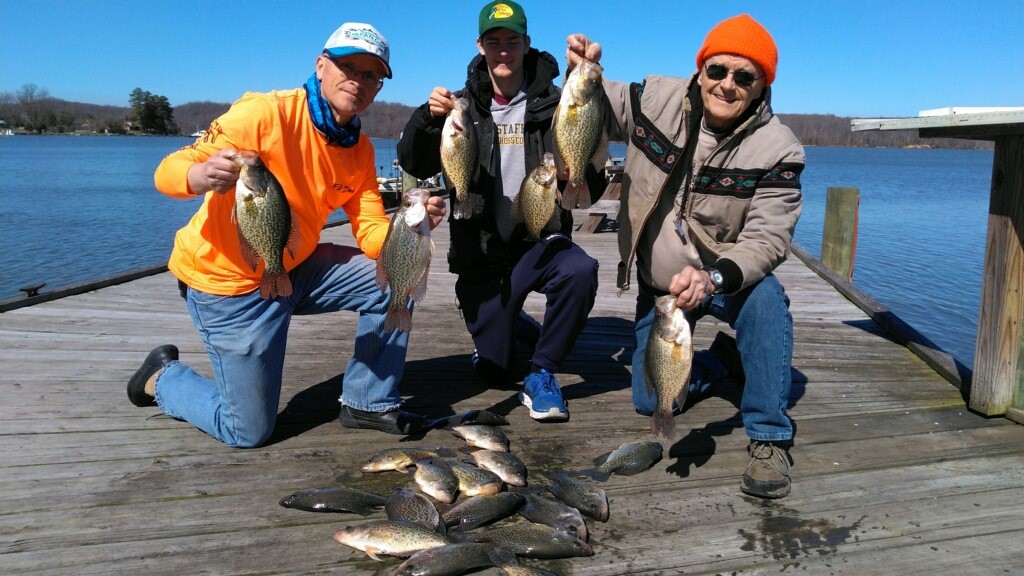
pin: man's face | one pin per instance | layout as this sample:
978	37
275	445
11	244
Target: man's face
349	83
725	99
503	49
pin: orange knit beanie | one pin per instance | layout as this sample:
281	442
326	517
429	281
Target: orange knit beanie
743	36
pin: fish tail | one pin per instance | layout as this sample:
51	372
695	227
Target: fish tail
583	193
662	423
274	284
398	318
464	208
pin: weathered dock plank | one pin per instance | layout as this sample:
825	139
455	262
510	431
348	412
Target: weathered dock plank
893	472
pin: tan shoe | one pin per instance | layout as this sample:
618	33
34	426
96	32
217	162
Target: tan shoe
767	474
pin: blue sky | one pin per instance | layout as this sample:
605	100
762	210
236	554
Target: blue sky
861	59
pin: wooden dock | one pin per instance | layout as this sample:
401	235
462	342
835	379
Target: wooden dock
893	474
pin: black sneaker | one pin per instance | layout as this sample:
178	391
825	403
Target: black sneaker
393	422
767	474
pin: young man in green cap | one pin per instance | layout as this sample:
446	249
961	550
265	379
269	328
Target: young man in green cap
512	98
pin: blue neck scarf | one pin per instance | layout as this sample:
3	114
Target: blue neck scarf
345	136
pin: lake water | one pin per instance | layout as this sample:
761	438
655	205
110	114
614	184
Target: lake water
74	209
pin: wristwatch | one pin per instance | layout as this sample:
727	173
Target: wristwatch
715	276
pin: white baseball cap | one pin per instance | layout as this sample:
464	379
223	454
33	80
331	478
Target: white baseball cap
357	38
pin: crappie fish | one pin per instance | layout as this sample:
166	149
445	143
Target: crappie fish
397	458
458	157
404	261
475	481
435	477
480	510
591	501
482	436
265	223
534	541
580	138
334	499
415	508
446	560
667	361
554	513
387	537
537	202
629	459
506	465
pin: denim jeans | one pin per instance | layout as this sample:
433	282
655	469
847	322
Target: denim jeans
764	335
246	337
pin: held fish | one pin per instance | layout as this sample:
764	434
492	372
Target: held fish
265	223
629	459
388	537
580	138
334	499
458	157
537	202
667	362
404	261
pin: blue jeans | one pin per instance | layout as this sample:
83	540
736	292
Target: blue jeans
764	335
246	337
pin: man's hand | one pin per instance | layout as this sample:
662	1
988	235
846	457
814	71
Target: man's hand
578	47
218	174
436	210
441	102
690	287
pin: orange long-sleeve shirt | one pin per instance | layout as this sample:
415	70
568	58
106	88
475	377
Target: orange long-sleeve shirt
317	179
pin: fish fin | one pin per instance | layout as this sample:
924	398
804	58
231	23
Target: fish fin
249	255
662	423
595	474
382	277
274	284
602	458
583	200
398	318
294	238
373	552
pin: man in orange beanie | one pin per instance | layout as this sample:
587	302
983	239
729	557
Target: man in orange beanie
707	212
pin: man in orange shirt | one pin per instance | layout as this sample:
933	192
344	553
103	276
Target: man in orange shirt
309	138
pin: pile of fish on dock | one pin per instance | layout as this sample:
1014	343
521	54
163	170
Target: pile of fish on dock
474	507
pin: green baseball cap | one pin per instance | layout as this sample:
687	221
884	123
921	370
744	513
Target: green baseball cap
502	14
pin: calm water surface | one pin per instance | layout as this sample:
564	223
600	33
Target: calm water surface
74	209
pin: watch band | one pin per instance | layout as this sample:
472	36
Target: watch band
715	276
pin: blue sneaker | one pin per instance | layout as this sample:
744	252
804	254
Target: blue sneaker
541	395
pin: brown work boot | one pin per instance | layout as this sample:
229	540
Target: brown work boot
767	475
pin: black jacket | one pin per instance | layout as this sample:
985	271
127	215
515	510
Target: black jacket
476	247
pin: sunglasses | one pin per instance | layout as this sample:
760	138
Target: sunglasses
742	78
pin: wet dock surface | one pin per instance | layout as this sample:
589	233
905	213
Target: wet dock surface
892	473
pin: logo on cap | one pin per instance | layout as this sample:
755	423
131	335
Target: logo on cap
500	12
370	37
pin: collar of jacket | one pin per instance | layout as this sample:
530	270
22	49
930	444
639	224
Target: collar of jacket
541	69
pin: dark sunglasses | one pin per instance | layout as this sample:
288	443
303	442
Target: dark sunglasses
742	78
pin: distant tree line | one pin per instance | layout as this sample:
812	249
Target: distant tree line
32	110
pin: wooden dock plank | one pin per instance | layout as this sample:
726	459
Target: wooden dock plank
892	471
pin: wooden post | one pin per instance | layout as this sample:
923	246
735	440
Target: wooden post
998	380
839	237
